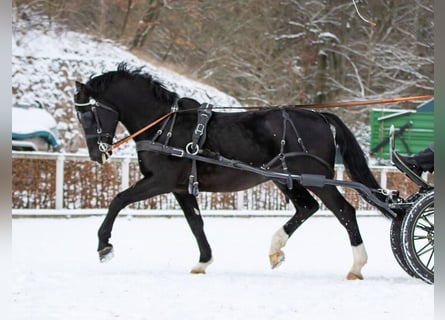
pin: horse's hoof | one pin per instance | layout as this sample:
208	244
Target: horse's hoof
201	267
276	259
197	271
353	276
106	254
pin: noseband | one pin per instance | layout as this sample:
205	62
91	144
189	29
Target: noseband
92	106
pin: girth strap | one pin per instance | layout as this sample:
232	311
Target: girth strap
200	132
198	139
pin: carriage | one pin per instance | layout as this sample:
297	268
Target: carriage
185	147
412	231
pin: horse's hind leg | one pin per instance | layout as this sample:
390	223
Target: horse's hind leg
345	213
192	213
305	206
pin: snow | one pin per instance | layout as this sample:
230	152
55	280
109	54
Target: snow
57	274
329	35
28	120
290	36
46	46
57	44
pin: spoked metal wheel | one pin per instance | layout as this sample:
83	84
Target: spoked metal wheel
418	237
396	245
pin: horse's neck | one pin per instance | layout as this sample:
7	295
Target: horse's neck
188	104
138	115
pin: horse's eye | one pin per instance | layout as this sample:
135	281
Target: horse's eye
85	118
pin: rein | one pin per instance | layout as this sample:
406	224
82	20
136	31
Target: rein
312	106
350	103
131	136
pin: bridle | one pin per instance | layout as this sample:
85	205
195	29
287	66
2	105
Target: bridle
104	147
92	106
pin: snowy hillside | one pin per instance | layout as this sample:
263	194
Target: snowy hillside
47	60
45	64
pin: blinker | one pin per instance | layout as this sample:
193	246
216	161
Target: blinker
85	118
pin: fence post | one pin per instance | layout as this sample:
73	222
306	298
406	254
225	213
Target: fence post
384	178
125	173
340	170
240	200
60	164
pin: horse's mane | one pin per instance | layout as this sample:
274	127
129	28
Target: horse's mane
99	84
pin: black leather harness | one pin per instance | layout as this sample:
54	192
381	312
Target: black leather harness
198	138
193	150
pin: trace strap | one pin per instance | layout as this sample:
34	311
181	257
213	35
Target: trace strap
307	180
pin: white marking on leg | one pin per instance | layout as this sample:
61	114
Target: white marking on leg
197	212
360	259
279	240
200	267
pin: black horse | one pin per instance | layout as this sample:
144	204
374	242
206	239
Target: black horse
287	140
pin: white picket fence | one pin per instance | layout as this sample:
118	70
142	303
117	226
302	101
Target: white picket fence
241	200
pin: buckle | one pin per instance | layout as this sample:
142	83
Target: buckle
200	129
177	152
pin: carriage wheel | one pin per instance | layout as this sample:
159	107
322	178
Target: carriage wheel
418	237
396	245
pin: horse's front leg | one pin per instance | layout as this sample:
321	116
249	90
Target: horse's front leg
141	190
192	213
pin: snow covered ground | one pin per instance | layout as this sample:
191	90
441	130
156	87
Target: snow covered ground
57	275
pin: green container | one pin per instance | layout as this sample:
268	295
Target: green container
417	127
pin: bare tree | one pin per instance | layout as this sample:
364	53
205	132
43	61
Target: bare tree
270	52
149	20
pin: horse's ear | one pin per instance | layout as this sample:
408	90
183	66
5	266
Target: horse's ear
79	86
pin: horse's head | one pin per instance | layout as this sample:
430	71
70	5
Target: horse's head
98	121
132	97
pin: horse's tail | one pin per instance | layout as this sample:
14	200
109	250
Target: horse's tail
354	158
